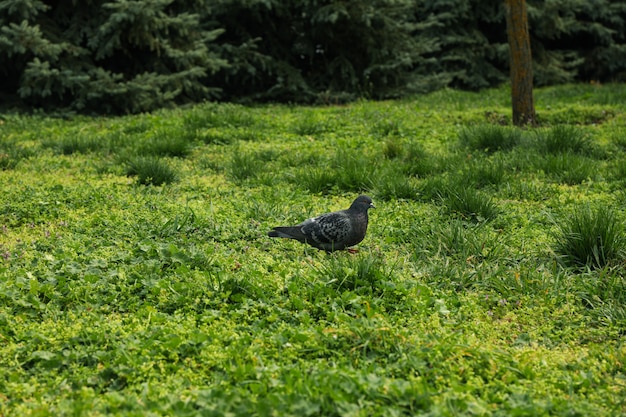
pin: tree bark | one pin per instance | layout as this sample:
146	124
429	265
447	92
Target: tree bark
521	63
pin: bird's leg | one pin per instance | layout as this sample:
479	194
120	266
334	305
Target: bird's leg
352	251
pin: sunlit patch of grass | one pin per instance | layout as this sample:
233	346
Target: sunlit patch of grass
150	170
579	114
490	138
591	237
112	285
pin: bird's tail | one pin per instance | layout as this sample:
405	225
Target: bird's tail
286	232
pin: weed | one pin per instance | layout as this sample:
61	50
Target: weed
77	143
590	237
150	170
364	274
349	171
387	127
391	183
245	165
312	124
569	168
418	162
165	143
482	172
490	138
469	204
316	180
11	154
565	138
393	149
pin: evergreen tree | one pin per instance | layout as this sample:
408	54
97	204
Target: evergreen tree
322	50
106	56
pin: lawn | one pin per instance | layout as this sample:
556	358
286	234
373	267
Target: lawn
137	277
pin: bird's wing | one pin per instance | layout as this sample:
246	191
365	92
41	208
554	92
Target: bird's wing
328	228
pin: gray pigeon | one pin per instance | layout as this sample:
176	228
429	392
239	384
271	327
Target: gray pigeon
331	231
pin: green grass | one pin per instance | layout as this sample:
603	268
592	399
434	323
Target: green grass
490	137
137	278
150	170
591	237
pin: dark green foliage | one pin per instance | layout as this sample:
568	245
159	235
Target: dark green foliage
471	41
132	56
123	56
330	51
578	40
591	237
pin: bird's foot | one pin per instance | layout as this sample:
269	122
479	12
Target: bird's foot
353	251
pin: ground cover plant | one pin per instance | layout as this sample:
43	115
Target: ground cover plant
136	276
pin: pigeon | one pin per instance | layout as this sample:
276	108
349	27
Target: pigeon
331	231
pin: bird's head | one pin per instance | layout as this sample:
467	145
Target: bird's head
362	202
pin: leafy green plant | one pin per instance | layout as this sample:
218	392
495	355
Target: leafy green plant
591	237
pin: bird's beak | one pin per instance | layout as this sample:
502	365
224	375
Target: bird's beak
372	205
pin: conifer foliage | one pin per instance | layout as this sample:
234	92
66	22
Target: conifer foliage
105	56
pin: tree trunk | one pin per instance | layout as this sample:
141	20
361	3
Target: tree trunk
521	63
